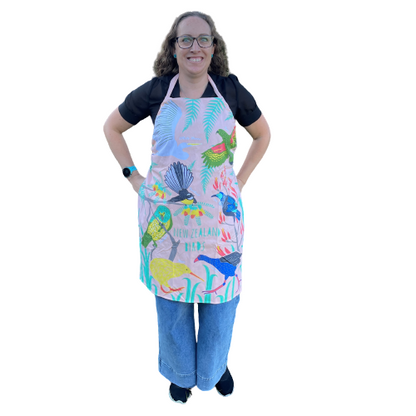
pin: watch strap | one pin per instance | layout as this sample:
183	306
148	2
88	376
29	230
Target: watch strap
128	171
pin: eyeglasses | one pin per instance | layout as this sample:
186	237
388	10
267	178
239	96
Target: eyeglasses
186	42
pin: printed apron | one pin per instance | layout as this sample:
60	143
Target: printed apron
190	210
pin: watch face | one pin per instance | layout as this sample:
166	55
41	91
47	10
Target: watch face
126	172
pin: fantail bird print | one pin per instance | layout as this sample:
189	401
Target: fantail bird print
179	178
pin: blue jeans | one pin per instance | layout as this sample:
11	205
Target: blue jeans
184	361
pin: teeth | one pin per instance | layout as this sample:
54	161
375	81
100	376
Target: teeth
195	59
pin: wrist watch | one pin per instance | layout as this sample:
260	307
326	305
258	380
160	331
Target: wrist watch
128	171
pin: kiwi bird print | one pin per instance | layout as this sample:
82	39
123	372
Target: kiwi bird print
164	270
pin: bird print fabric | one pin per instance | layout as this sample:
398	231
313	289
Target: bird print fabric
191	218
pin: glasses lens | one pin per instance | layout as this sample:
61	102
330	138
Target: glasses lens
205	41
185	41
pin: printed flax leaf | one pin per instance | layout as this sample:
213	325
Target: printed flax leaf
209	280
193	293
192	110
191	165
188	289
214	108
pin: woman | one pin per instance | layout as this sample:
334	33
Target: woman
190	209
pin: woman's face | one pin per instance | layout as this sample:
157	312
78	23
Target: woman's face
195	61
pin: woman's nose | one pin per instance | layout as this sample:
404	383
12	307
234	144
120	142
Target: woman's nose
195	45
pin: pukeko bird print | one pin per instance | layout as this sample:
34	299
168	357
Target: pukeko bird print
226	265
179	179
229	205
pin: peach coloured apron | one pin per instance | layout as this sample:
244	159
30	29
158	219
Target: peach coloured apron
190	210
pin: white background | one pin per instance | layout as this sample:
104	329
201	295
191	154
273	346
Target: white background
330	211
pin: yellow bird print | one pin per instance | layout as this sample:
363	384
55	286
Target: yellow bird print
159	224
163	270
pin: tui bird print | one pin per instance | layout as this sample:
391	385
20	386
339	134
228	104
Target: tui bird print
226	265
160	222
179	179
229	205
218	154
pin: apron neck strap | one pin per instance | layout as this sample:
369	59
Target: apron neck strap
175	79
172	85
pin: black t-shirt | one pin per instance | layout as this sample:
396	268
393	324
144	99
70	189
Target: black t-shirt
145	101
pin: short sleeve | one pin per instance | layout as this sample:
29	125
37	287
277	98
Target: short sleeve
136	105
241	102
145	101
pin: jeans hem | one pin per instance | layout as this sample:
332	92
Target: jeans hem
186	381
206	384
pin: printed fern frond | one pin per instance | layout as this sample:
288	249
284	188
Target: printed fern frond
214	108
192	110
206	175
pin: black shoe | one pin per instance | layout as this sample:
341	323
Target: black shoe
179	394
225	386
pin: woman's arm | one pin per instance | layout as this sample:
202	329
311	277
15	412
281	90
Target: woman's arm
114	128
260	133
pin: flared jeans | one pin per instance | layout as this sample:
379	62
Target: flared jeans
187	360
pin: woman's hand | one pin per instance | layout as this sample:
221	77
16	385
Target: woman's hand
136	181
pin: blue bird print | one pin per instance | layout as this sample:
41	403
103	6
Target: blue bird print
164	133
226	265
229	205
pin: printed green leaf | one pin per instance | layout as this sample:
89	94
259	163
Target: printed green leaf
206	175
192	110
214	108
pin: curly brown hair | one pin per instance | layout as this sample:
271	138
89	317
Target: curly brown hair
166	64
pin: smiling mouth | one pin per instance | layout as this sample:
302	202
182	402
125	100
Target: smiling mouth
195	59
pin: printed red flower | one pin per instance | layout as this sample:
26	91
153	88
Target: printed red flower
233	191
216	185
224	235
220	252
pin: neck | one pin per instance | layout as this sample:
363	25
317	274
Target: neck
193	87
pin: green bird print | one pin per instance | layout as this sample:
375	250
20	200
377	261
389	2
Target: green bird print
160	223
218	154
